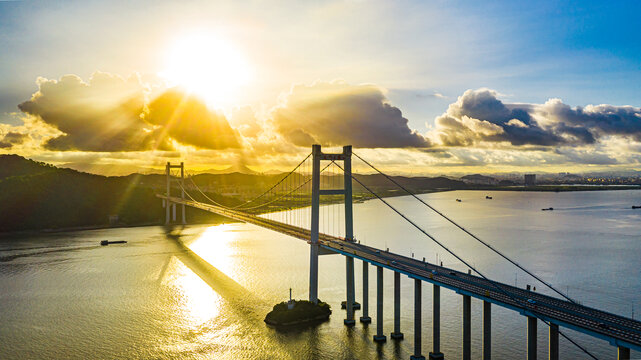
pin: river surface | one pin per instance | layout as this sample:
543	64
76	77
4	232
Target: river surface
62	296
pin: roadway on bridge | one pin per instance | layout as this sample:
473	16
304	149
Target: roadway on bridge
618	330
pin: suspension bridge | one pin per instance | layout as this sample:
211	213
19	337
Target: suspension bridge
303	188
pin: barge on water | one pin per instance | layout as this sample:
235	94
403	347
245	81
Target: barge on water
107	242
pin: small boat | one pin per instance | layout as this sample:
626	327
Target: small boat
458	200
107	242
547	209
488	197
636	207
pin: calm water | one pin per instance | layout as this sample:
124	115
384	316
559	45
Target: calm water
62	296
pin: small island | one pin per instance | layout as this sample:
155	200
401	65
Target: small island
297	312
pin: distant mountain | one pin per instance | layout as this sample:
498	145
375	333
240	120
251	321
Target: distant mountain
238	168
417	184
110	169
479	179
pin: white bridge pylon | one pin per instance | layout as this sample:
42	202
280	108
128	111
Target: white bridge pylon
346	158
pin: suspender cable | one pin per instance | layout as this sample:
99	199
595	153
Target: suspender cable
469	233
273	187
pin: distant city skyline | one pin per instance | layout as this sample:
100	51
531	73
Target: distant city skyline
441	87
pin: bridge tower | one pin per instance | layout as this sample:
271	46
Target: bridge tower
170	208
346	158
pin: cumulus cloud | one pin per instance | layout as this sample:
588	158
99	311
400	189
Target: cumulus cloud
337	113
478	116
111	114
245	121
103	114
597	120
187	119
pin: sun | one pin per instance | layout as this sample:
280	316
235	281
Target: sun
208	66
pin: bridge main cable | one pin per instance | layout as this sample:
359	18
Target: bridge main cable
468	232
256	206
273	187
284	195
466	263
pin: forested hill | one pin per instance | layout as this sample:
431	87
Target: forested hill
39	196
14	165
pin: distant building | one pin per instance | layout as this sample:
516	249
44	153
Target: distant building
113	220
530	179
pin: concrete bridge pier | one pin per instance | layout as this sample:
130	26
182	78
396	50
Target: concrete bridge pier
349	304
168	203
531	338
487	330
349	232
315	213
365	319
379	337
182	191
436	353
623	353
553	351
313	273
397	334
417	321
467	327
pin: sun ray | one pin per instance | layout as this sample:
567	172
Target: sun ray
208	66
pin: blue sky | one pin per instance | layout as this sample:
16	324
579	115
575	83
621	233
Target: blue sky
424	54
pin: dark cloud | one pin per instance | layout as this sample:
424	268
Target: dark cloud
101	115
12	138
599	119
478	116
187	119
337	113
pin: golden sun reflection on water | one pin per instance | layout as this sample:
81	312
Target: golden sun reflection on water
216	246
199	302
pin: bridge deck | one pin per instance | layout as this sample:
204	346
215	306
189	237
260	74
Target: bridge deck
616	329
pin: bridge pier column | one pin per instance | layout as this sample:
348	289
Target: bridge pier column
182	182
623	353
487	330
553	351
436	353
173	212
467	327
531	338
349	232
167	203
417	321
315	212
397	334
379	337
365	319
313	273
349	304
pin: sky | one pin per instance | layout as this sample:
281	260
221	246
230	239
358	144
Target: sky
418	87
